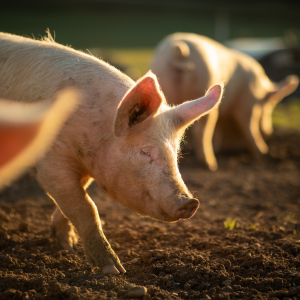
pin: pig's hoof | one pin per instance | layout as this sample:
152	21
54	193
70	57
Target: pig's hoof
119	268
107	261
111	269
100	254
66	237
67	245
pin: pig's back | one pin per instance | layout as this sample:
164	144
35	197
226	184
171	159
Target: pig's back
32	70
241	73
178	82
208	59
209	55
254	75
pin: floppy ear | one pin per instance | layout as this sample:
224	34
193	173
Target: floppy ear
141	102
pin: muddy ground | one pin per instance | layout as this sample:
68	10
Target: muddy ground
196	259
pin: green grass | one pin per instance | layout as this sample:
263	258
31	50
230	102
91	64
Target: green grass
135	62
252	226
287	115
230	223
291	218
133	58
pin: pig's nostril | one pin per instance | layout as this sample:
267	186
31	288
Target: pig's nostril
187	210
181	212
193	211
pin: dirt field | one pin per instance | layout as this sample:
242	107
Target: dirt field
196	259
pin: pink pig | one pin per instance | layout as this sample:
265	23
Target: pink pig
27	131
123	135
188	64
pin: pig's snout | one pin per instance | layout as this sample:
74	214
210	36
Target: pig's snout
187	210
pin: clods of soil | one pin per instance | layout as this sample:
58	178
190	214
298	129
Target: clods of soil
243	243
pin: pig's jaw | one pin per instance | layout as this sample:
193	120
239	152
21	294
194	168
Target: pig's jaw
149	207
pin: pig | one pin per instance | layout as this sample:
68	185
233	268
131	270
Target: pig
123	135
187	64
27	131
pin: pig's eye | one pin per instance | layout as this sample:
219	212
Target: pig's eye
148	155
145	153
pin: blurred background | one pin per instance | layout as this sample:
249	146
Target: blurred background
125	32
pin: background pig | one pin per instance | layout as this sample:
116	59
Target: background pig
188	64
123	135
26	131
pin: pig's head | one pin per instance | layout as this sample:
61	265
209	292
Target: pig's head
143	173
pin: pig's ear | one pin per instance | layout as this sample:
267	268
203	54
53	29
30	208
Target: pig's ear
186	113
141	102
283	89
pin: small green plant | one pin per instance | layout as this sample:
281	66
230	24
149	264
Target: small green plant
291	218
230	223
252	227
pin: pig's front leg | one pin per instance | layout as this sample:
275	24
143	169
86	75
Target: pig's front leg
65	188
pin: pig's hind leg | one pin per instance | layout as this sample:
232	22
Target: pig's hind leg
64	186
249	124
63	230
202	134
